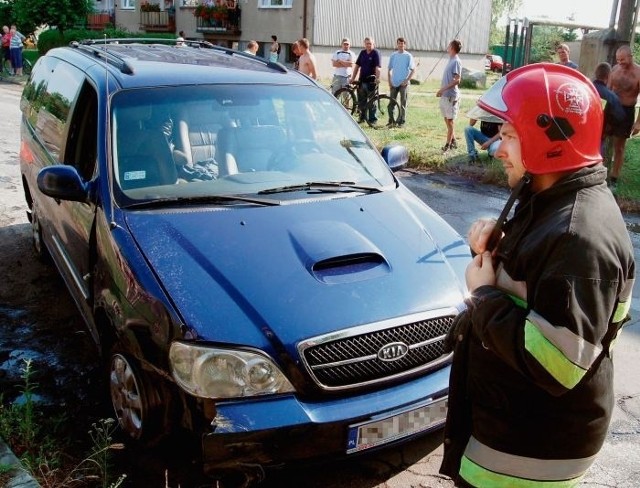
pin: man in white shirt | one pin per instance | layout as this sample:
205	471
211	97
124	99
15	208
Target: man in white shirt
252	48
342	60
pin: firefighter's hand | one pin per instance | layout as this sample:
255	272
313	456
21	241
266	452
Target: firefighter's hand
479	234
480	271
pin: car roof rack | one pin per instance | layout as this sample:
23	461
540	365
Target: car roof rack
96	47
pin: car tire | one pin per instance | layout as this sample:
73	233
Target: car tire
136	402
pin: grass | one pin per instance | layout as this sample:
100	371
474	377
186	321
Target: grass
424	134
32	437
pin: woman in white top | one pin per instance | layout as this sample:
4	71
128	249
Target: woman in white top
274	51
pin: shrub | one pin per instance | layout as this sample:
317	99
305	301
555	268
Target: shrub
54	38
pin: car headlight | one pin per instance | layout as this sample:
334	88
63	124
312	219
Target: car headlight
211	372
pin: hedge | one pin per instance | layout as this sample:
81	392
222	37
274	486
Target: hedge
54	38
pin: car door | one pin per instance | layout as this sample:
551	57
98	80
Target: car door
69	223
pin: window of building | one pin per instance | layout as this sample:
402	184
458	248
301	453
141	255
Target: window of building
275	3
128	4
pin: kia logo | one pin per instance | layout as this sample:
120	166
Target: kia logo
393	351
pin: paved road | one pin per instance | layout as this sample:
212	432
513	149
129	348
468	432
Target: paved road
460	202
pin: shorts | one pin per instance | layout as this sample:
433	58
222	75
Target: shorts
338	82
623	128
449	107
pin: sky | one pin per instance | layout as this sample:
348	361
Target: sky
589	12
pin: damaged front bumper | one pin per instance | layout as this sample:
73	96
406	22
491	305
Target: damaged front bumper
278	431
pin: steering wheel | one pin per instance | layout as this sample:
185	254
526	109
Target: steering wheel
288	155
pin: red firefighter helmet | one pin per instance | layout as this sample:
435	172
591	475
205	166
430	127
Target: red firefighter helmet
555	110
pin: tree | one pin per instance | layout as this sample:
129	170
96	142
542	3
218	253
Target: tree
63	14
6	12
544	40
500	9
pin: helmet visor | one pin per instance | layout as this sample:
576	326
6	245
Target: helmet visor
479	114
492	100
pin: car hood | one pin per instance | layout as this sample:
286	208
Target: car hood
251	275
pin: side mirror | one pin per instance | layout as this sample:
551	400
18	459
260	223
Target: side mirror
63	182
396	156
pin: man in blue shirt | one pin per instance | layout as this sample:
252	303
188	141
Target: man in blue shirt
368	67
613	111
401	70
563	53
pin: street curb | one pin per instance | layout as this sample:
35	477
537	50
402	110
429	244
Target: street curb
19	477
14	80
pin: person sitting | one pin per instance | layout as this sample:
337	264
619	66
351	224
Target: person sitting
488	136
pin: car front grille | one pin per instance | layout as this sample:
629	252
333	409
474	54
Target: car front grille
378	352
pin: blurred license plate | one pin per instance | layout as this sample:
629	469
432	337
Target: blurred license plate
377	432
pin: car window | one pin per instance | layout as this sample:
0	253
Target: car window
50	93
235	139
81	150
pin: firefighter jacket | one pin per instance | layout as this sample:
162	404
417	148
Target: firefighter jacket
532	374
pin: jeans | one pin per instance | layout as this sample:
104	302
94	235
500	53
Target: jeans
364	89
473	135
402	90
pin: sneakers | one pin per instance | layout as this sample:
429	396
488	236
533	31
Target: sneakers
473	159
445	148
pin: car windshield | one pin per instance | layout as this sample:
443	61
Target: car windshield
218	141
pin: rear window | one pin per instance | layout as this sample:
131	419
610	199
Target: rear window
48	98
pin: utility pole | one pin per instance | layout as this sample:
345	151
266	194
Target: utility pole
626	28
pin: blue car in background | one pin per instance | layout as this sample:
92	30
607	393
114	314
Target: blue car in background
250	268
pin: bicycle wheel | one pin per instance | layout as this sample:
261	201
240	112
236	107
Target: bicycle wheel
26	67
347	98
388	111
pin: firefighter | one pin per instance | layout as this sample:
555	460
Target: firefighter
531	387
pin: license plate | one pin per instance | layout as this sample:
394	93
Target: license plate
382	431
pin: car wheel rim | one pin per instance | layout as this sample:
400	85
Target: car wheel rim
126	396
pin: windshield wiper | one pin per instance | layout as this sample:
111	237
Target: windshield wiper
349	143
161	202
322	187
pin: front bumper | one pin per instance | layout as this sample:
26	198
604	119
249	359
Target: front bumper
282	430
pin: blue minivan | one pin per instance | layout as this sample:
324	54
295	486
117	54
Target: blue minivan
248	264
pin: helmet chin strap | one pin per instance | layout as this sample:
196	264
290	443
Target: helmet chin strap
496	234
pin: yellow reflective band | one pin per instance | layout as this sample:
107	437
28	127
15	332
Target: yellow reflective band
622	311
551	358
518	301
483	478
575	348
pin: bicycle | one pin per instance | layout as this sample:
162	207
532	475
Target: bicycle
388	110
